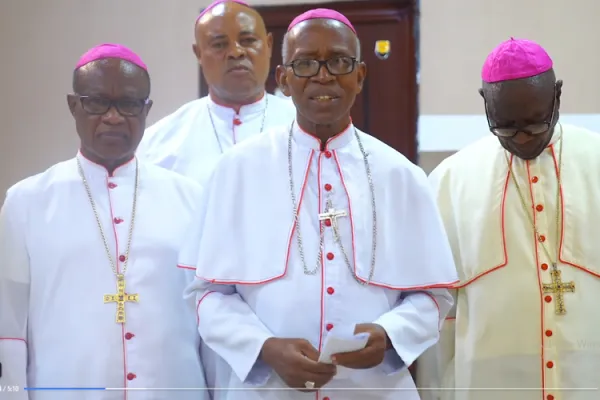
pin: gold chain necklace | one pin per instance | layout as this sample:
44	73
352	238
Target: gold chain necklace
557	287
120	297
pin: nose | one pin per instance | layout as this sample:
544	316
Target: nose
323	76
236	50
523	138
112	117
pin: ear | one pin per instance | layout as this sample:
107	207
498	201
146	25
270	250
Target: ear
72	103
149	106
196	50
270	44
282	80
559	84
361	75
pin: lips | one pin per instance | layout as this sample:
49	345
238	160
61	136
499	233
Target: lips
238	68
113	135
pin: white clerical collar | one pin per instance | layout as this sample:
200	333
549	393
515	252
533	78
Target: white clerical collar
223	111
340	140
90	168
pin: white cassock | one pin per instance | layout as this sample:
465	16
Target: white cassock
506	336
191	140
55	329
251	284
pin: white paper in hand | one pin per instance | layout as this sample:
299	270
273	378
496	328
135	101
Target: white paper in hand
342	340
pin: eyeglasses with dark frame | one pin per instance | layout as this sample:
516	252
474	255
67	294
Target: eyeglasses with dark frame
341	65
531	129
96	105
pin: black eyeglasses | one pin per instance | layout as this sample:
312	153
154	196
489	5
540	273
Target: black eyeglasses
100	105
335	66
531	129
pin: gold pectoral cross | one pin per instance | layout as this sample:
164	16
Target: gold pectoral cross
120	298
558	288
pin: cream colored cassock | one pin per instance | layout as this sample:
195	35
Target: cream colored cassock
187	142
259	289
506	333
55	330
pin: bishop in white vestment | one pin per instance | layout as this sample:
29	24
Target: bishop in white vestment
90	296
521	211
234	50
332	229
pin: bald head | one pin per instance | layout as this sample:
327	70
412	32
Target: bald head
234	50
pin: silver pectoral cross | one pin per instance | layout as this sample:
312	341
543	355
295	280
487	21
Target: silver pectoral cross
332	215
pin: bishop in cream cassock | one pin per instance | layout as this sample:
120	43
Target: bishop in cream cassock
521	210
234	50
89	293
333	229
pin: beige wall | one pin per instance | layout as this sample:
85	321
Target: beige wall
41	41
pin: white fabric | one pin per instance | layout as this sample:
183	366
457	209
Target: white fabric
259	289
185	140
55	330
505	332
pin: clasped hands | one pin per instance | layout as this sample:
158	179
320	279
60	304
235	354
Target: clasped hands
296	360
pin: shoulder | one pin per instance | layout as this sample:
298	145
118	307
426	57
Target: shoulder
173	179
480	152
285	105
167	123
390	159
37	185
581	138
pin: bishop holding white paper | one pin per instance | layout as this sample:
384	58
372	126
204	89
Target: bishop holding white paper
317	225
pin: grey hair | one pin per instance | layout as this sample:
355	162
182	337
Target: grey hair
285	48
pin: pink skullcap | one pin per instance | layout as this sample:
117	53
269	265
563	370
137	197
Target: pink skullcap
110	50
216	3
515	59
322	13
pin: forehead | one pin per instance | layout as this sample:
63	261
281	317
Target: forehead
521	98
322	36
112	76
228	19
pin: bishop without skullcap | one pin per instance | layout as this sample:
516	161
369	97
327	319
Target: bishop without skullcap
515	59
110	50
216	3
322	13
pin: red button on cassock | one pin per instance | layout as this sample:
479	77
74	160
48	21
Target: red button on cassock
330	290
539	207
329	327
128	336
122	258
549	397
117	220
131	376
548	333
112	185
548	299
327	154
327	187
330	256
327	222
534	179
549	364
544	266
237	122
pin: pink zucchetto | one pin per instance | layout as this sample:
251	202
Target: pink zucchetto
110	50
322	13
216	3
515	59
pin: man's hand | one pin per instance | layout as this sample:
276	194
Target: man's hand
373	353
295	361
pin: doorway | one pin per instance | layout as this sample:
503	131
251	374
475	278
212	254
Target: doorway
387	108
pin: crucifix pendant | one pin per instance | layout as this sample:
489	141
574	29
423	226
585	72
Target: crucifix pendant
332	215
121	298
558	288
